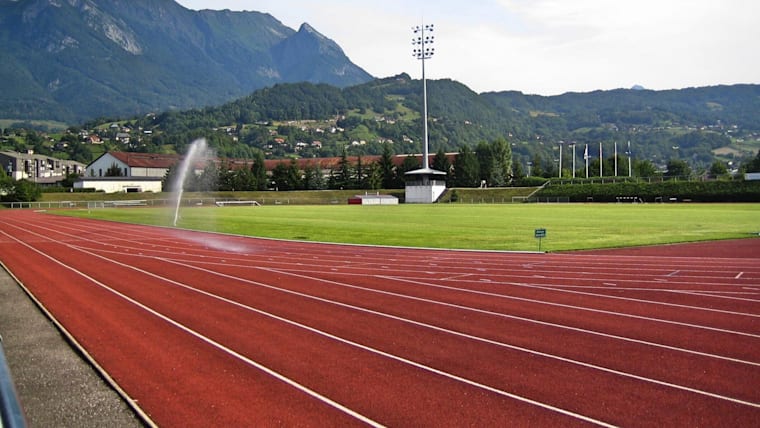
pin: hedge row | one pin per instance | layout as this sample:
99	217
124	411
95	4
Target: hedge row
697	191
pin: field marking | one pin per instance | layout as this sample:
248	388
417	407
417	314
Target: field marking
485	340
561	261
189	263
654	344
206	339
533	352
631	299
291	322
465	335
537	286
739	275
338	338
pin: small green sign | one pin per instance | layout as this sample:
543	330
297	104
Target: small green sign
540	233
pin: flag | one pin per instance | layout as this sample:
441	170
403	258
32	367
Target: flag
585	153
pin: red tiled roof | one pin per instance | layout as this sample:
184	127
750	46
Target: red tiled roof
157	160
147	160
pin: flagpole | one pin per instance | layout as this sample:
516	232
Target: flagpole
573	159
629	160
616	171
601	161
585	156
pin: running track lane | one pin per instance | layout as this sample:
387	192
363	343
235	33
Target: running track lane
200	328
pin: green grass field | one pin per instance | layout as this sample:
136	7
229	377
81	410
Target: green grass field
465	226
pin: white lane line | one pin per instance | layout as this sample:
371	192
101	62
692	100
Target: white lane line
206	339
284	320
515	317
288	261
674	273
534	352
739	275
561	290
343	340
581	308
464	335
468	308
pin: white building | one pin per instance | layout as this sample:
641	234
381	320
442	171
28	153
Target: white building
120	184
133	164
40	169
373	199
138	172
424	186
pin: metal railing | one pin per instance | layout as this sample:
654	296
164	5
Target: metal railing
11	415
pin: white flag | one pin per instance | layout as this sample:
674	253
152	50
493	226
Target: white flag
585	153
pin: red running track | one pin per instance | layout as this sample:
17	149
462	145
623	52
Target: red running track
203	329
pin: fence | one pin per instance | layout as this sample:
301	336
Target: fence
622	179
171	202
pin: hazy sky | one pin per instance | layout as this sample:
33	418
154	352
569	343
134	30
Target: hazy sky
542	47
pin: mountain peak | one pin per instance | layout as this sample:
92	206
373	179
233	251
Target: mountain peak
306	28
297	54
78	59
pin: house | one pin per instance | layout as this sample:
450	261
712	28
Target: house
133	164
138	172
93	139
40	169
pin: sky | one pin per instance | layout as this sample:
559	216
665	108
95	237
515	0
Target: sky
545	47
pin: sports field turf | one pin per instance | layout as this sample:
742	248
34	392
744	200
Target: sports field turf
465	226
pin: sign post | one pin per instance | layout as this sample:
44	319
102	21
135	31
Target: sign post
539	234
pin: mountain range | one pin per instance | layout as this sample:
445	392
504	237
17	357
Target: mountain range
73	60
100	61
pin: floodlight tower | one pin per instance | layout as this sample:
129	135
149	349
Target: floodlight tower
423	51
424	185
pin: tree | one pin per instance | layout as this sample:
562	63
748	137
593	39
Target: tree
718	169
341	177
359	176
441	163
6	183
466	168
536	169
21	191
485	161
312	177
410	164
386	168
286	176
677	168
754	164
517	170
259	171
644	168
374	177
206	181
501	151
243	179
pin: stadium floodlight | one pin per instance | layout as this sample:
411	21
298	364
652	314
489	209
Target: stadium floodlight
422	51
